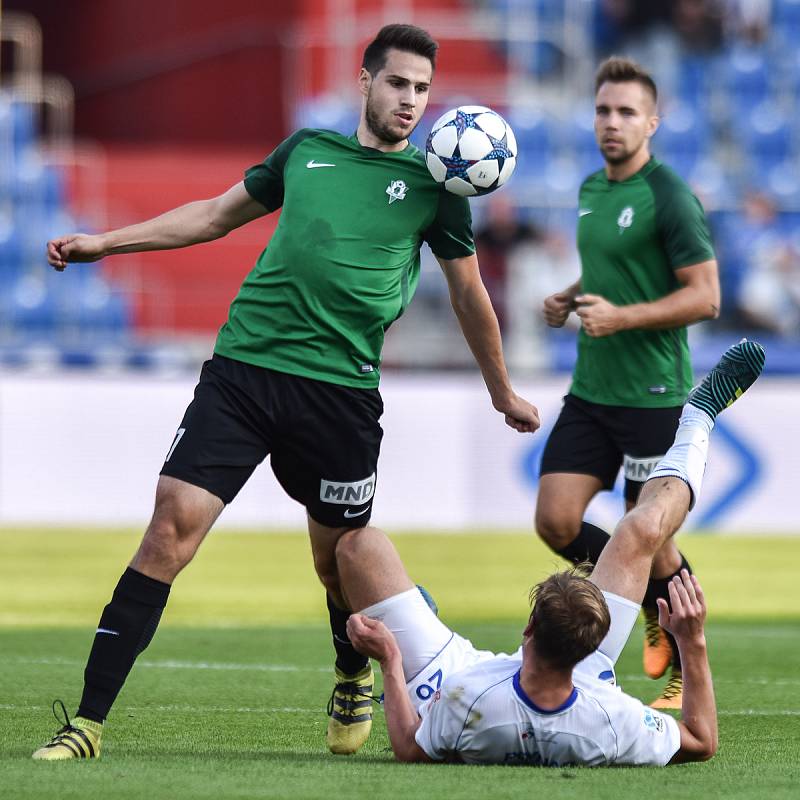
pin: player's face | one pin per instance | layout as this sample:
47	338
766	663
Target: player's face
396	96
625	119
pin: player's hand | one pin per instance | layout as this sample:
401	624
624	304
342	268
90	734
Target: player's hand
557	307
74	247
519	414
686	620
372	638
598	316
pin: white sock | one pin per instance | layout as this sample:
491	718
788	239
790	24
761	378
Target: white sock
687	457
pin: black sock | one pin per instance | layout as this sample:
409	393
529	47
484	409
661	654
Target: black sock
657	587
586	546
126	628
347	659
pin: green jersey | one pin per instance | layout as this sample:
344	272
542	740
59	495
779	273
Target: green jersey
632	236
344	260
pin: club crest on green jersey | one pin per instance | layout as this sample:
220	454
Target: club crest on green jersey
396	191
625	218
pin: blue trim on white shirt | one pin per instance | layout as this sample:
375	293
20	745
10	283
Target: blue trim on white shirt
570	701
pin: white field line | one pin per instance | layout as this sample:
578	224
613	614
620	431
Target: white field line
222	666
741	712
727	681
171	664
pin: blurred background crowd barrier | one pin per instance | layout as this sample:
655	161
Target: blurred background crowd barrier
111	112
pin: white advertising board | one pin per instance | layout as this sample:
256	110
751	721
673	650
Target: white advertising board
86	449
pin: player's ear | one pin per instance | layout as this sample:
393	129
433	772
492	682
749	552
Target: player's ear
364	81
652	125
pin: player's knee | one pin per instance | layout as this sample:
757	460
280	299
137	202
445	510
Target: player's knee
171	540
641	530
352	549
557	527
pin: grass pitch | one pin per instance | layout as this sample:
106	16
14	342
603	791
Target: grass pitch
229	699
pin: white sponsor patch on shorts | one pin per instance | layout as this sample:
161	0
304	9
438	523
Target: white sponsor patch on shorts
639	469
347	494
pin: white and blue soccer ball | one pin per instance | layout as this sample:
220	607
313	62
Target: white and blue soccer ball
471	150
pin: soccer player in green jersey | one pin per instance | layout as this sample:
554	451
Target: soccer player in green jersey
647	271
295	369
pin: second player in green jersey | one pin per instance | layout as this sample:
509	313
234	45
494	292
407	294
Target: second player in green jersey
647	271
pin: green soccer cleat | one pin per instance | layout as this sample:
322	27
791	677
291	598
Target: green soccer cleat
733	375
350	711
78	738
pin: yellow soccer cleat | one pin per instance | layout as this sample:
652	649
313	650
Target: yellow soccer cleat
657	652
672	696
78	738
350	711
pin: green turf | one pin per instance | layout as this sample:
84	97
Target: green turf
228	700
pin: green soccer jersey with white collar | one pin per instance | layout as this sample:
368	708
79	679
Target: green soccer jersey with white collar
632	236
344	260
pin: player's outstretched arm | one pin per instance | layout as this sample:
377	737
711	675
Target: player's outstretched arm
698	724
372	638
478	322
200	221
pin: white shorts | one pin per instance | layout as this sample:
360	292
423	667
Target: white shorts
432	652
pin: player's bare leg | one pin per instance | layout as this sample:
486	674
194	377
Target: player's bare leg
183	516
561	503
350	705
663	503
370	568
560	509
624	565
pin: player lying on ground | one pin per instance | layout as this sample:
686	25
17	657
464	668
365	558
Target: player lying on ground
554	701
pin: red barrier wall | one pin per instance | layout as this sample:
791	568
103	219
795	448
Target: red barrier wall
198	71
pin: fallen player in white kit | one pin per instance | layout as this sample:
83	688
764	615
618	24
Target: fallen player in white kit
553	702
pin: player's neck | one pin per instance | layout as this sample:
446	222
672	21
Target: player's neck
623	171
366	138
547	688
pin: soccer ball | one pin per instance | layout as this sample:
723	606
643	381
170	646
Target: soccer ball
471	150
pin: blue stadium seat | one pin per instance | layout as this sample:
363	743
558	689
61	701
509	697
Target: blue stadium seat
580	134
786	17
767	136
11	250
24	127
536	139
681	138
692	79
33	309
328	113
745	72
783	183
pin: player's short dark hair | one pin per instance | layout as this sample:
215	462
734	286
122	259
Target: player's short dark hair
408	38
569	619
618	69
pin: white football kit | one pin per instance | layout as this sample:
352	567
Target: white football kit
474	709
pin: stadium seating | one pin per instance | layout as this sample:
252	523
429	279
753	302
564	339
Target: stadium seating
79	308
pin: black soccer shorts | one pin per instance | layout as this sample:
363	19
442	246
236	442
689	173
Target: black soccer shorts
594	439
323	440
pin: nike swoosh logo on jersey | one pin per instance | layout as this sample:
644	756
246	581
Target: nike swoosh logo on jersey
106	630
314	164
350	514
584	211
